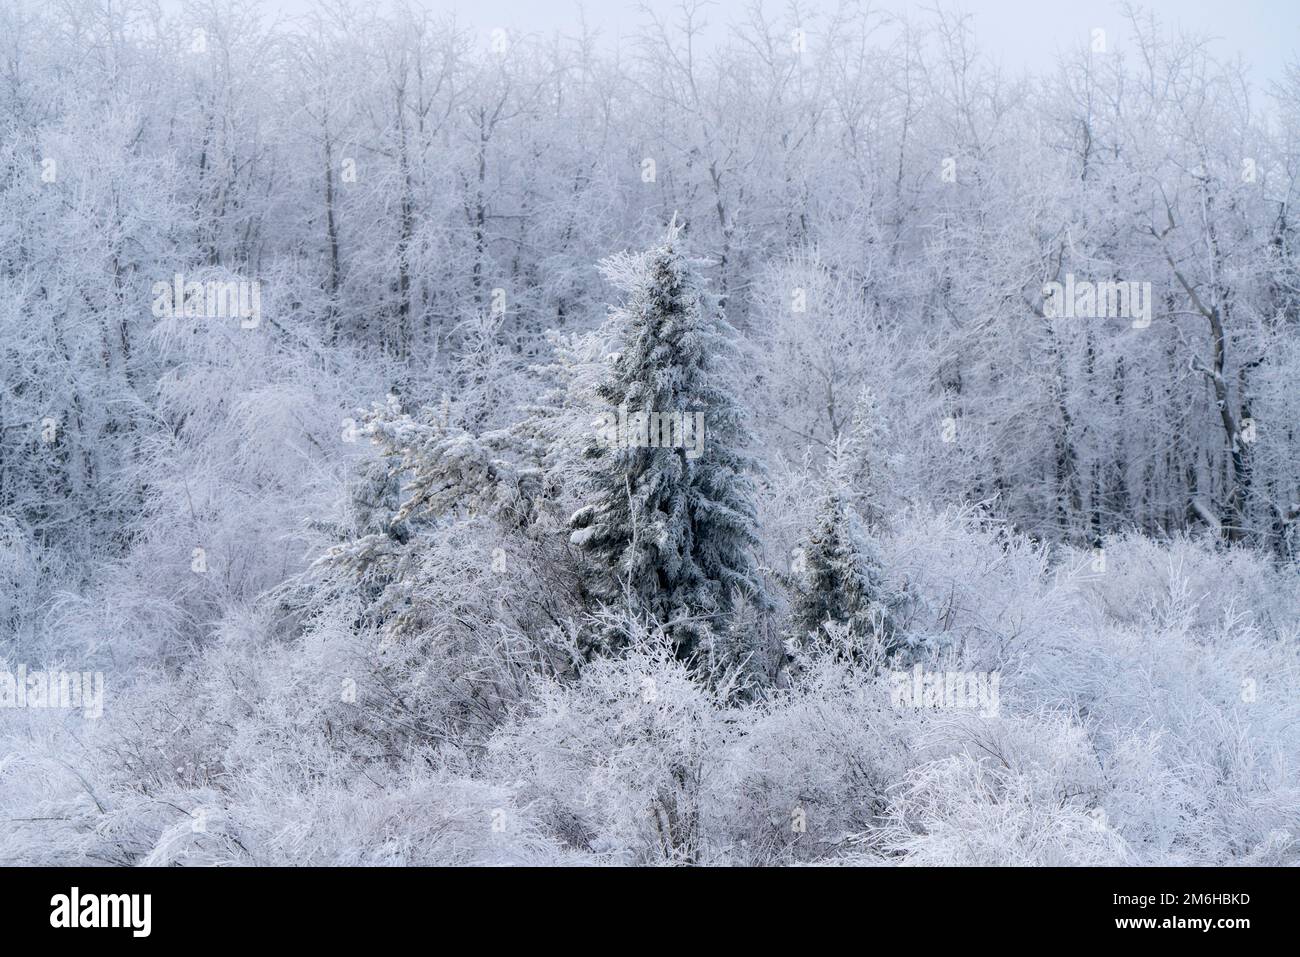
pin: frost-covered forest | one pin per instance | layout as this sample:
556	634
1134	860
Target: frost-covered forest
789	440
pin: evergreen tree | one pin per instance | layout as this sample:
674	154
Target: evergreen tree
670	527
839	575
868	461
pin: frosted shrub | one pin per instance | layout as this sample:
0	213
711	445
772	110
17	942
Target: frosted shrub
422	819
1136	580
976	588
812	765
53	796
1193	725
619	762
1009	791
454	658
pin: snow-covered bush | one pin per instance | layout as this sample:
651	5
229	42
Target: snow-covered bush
1135	580
813	765
1020	791
975	588
621	762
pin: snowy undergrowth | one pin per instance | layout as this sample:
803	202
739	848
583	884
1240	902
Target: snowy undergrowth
1126	733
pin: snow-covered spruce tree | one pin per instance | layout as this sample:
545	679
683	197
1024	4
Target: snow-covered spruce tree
869	463
432	471
669	528
838	576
